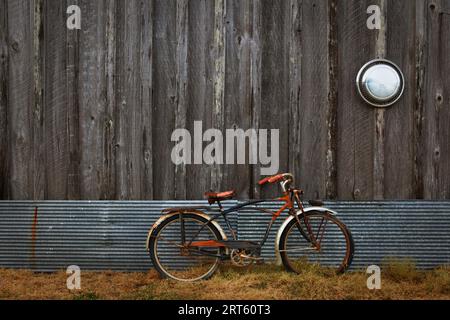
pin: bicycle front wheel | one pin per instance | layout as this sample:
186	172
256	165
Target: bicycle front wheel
320	240
170	251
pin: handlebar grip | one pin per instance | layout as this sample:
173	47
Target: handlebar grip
273	179
264	181
276	178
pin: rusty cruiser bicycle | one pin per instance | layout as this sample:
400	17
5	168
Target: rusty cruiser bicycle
186	244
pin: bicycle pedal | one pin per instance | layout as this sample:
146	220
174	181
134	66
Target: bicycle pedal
259	261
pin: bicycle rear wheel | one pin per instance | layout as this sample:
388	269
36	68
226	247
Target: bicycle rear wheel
173	258
325	242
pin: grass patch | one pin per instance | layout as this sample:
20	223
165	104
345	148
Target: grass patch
399	280
438	281
399	270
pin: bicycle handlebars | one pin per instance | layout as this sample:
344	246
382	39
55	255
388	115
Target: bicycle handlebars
276	178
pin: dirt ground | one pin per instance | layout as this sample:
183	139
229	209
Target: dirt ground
398	281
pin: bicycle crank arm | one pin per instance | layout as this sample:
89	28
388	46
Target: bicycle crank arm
251	257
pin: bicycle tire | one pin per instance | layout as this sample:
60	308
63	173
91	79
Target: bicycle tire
153	243
350	248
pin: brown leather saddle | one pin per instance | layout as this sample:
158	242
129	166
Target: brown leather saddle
219	196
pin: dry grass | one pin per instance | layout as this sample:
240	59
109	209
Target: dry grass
400	280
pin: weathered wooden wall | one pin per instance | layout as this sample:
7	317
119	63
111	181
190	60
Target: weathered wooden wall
88	114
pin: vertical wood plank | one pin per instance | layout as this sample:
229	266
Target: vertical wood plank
399	119
255	79
57	101
333	53
431	114
108	178
133	93
313	119
275	78
379	113
181	87
295	86
237	99
129	125
146	67
421	13
437	114
217	119
131	111
355	119
4	175
20	96
37	164
164	96
71	105
443	102
200	99
92	97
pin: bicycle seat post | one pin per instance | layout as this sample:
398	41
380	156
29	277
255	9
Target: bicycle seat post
233	232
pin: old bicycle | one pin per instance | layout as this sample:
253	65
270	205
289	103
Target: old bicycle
187	244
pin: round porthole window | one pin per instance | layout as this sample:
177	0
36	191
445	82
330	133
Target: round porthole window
380	83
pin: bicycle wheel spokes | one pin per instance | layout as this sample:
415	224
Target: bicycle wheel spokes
180	261
328	246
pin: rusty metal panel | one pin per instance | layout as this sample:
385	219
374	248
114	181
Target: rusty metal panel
111	235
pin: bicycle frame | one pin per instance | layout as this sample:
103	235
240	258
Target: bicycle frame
289	197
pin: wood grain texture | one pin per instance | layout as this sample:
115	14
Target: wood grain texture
72	108
109	187
37	165
164	96
181	88
200	87
128	101
443	101
4	175
355	120
295	87
379	113
399	127
256	70
88	114
275	91
421	12
21	95
436	113
92	95
313	144
333	62
238	99
146	86
218	49
56	112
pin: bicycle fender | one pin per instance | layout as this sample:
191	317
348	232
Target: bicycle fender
166	216
285	223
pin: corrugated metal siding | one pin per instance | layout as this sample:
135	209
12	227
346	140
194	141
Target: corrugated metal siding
419	230
95	235
101	235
